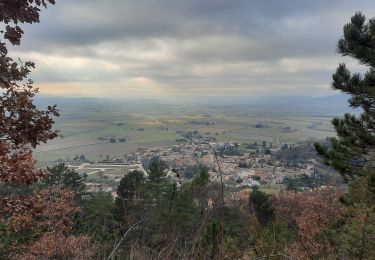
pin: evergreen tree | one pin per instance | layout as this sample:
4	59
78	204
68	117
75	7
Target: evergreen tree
201	179
63	177
129	196
211	240
130	186
158	196
261	205
184	214
353	149
199	188
97	218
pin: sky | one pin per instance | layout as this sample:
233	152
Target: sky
185	48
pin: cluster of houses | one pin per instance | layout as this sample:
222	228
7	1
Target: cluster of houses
239	168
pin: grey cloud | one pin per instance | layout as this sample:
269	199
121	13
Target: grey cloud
191	43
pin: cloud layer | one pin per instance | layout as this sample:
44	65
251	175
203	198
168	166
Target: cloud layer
145	48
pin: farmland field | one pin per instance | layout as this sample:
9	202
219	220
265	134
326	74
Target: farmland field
86	129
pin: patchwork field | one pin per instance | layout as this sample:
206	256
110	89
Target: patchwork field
87	129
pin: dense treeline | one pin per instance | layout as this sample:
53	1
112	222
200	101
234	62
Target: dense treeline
152	217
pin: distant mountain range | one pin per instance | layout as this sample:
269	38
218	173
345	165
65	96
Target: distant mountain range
333	104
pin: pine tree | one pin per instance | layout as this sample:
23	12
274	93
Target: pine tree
158	196
61	176
97	218
130	186
261	205
129	197
352	152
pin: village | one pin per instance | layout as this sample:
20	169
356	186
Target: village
238	167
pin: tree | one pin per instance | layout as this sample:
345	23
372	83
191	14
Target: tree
352	152
97	218
353	149
158	197
130	186
211	240
41	229
129	195
33	225
22	125
310	213
201	180
261	205
63	177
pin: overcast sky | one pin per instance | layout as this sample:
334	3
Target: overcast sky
182	48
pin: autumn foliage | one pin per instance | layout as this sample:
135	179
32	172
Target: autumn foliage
53	210
309	213
34	225
22	125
